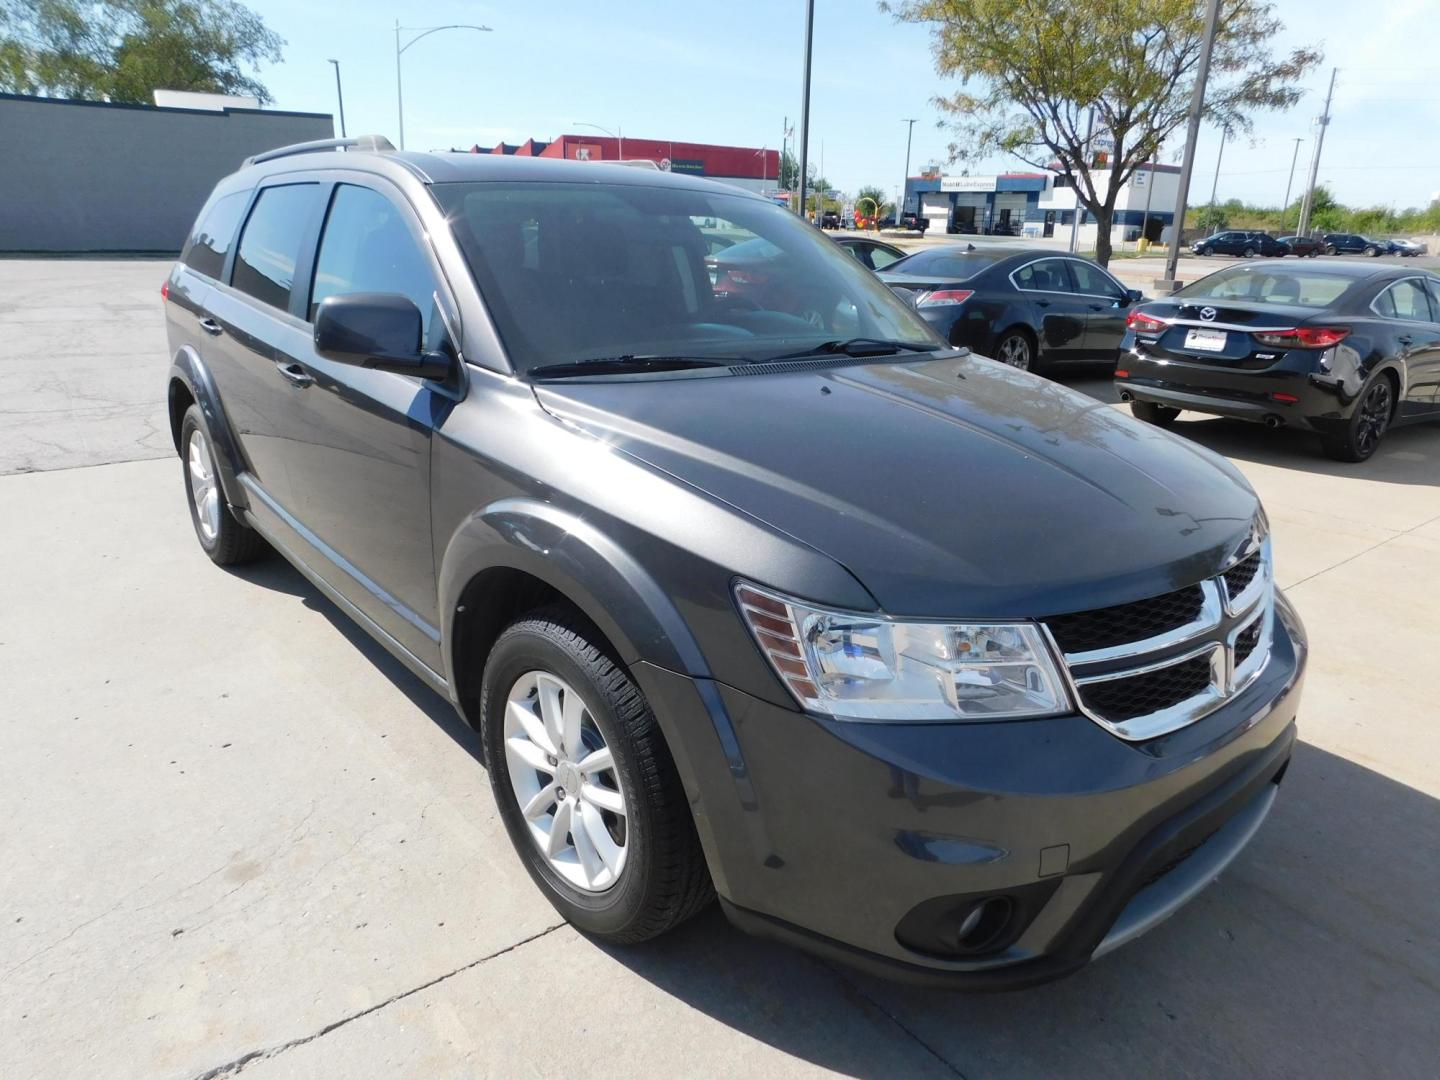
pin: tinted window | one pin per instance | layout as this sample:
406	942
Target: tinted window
270	245
210	242
1267	284
880	257
1404	300
941	263
367	247
1047	275
1089	278
574	272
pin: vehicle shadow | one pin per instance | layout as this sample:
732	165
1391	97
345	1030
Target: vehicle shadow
1409	455
274	573
1316	954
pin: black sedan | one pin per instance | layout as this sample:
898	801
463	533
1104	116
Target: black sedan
1345	350
872	254
1024	307
1354	244
1245	243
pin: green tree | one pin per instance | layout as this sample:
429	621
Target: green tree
121	50
877	194
1032	70
1211	219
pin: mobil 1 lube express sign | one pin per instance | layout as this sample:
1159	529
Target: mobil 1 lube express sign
968	183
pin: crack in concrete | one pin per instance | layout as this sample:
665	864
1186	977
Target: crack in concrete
231	1068
1366	551
854	988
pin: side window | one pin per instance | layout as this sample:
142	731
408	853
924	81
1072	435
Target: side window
1046	275
367	247
880	258
1433	288
210	243
1089	278
270	245
1404	300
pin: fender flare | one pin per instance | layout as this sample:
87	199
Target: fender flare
576	559
189	370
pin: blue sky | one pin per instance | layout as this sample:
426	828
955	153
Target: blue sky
729	72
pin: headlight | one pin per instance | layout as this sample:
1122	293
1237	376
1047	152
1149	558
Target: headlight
856	666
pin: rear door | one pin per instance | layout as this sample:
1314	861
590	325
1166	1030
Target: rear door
361	462
1107	305
1058	313
1406	309
253	324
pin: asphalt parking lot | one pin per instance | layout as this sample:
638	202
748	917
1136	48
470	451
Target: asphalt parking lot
238	838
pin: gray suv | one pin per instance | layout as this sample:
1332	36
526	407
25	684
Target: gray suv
752	586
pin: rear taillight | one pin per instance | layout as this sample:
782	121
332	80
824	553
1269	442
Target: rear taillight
1145	324
1304	337
944	296
165	289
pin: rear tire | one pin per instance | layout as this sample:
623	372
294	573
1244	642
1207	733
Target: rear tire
1248	253
223	536
1016	349
1151	413
661	879
1367	425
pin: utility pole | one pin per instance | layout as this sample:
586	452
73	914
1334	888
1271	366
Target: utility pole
1215	186
1075	221
1149	194
339	94
1315	158
909	132
805	102
1285	206
1192	132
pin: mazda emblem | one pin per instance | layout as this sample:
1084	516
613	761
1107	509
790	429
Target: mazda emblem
1208	313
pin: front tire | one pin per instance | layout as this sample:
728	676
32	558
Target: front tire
1372	252
585	783
1367	425
224	537
1151	413
1248	253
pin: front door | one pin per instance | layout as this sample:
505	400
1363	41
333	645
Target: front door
1106	304
362	463
1407	307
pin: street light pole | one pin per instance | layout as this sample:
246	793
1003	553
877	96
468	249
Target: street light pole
909	132
805	102
618	134
1075	221
1315	158
339	94
1215	185
424	31
1285	206
1192	132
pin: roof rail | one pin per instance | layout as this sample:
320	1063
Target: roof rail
355	142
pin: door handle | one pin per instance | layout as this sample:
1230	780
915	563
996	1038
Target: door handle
211	327
1405	339
1042	303
293	372
1097	307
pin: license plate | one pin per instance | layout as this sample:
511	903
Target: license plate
1205	340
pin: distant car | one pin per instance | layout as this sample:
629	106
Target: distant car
1353	244
830	219
1243	242
873	254
1029	308
912	220
1408	248
1303	246
1346	350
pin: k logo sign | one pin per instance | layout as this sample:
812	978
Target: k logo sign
1208	314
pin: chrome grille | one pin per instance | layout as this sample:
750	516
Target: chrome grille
1149	667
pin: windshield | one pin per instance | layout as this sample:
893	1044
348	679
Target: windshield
576	272
1270	283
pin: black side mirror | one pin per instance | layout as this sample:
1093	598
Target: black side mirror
376	330
1132	296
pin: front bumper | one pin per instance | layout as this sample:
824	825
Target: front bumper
842	838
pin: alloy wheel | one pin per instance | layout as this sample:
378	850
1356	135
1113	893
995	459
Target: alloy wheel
204	491
1014	351
564	780
1374	417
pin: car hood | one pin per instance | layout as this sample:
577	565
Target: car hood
948	487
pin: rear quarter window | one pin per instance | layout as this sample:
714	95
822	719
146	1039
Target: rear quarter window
270	244
208	245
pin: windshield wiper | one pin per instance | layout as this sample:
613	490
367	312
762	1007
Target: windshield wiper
627	364
857	346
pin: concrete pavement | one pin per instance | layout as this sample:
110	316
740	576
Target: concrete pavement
239	839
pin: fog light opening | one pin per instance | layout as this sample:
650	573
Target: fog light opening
983	924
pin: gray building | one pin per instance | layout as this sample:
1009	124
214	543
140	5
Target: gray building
95	176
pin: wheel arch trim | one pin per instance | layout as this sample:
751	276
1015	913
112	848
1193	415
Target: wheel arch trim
187	369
